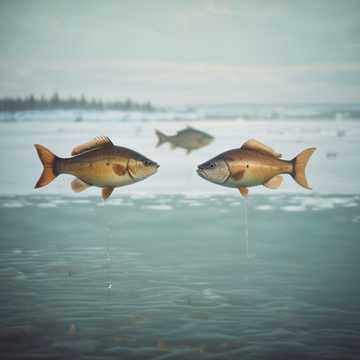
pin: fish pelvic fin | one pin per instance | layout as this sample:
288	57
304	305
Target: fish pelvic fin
78	185
244	191
162	138
48	159
299	164
106	192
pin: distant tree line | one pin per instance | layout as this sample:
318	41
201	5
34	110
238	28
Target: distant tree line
55	102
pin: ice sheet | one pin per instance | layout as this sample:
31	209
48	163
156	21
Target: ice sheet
337	173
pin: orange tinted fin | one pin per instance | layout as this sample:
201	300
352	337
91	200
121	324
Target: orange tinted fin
48	160
255	145
238	175
106	192
92	144
299	164
244	191
78	185
274	182
119	169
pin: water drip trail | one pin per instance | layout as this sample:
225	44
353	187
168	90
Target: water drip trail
246	225
108	238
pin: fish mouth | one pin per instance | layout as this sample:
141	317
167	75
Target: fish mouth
155	168
201	173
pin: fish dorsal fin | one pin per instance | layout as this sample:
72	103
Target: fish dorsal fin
106	192
274	182
78	185
255	145
97	142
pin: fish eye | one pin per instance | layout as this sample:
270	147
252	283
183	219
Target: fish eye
147	163
212	166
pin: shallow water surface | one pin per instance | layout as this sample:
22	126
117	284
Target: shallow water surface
167	277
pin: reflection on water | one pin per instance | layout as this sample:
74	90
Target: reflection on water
186	289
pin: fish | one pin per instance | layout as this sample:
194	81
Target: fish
97	162
254	164
72	330
189	139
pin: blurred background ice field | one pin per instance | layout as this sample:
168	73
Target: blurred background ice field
161	271
334	168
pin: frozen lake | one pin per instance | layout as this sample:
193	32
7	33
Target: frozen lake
334	167
168	277
161	271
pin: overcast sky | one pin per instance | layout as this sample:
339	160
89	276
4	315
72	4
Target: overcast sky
183	52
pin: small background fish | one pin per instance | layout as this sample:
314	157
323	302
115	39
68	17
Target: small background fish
189	139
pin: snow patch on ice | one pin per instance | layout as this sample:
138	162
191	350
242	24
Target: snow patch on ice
14	204
320	203
264	207
293	208
158	207
47	205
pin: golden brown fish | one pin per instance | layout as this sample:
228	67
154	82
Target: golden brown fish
189	139
254	164
96	163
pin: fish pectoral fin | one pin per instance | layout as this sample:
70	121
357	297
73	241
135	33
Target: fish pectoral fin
188	151
255	145
172	146
238	175
274	182
244	191
78	185
119	169
106	192
97	142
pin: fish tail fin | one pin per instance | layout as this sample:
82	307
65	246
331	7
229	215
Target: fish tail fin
162	138
299	164
48	160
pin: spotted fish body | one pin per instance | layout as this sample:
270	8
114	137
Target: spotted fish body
97	163
254	164
98	167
